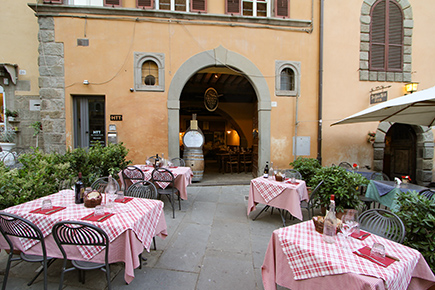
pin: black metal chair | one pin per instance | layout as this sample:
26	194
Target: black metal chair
165	177
379	176
312	203
130	175
177	161
68	233
345	165
153	159
289	173
428	193
101	183
383	223
16	226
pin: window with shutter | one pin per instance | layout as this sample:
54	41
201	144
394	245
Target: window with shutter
145	3
112	3
386	36
232	7
165	4
180	5
198	6
282	8
53	1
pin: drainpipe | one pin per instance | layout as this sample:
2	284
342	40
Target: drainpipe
320	102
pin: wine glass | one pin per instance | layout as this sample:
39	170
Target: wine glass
349	224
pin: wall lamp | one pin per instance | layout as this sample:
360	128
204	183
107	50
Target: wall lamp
411	87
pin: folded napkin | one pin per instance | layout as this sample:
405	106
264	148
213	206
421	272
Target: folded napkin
50	211
124	200
362	235
101	218
384	262
173	166
292	183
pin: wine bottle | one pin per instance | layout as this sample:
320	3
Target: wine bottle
156	161
266	170
330	223
79	190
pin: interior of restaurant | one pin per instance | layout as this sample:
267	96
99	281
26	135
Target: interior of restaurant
229	126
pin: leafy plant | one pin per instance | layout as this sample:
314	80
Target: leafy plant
10	113
340	182
418	215
307	167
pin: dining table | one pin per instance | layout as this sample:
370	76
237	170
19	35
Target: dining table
285	195
297	258
384	192
131	224
182	177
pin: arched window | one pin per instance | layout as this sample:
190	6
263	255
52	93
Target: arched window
386	36
149	71
287	78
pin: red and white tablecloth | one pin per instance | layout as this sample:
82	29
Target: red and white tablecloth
280	194
309	259
182	175
142	217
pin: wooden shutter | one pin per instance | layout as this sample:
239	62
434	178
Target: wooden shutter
282	8
198	6
395	37
53	1
232	7
377	36
144	3
112	3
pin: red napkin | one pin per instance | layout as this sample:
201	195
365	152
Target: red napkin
50	211
293	183
101	218
173	166
361	236
125	200
366	251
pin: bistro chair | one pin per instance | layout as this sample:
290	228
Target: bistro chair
379	176
162	177
130	175
101	183
153	159
312	203
143	189
15	226
177	161
233	161
345	165
383	223
76	233
428	193
246	161
289	173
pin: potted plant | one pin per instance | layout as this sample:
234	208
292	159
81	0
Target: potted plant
37	128
11	115
7	138
307	167
343	184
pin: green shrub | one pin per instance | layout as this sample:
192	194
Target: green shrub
418	215
307	167
342	183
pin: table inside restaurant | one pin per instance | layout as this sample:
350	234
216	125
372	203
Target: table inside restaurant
384	192
297	258
183	177
279	194
130	229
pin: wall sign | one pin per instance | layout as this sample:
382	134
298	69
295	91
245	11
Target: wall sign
211	100
115	117
378	97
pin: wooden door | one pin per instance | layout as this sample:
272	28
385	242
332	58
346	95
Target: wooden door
255	141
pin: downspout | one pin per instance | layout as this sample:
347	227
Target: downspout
320	102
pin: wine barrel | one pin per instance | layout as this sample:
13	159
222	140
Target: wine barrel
194	158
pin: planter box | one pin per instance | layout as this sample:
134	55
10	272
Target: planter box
7	146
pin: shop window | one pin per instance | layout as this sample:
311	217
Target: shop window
287	78
149	71
250	7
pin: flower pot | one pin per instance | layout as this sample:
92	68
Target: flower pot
11	119
7	146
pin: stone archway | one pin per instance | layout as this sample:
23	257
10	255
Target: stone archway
425	151
220	56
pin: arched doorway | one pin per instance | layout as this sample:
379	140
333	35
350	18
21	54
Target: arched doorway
221	57
400	151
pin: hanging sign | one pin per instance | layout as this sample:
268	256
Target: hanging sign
378	97
211	100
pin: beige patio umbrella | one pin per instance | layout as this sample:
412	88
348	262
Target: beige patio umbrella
415	109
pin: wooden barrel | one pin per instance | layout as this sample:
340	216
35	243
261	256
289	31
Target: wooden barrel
194	158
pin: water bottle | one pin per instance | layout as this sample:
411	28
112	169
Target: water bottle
330	223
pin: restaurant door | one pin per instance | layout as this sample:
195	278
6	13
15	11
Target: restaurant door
89	121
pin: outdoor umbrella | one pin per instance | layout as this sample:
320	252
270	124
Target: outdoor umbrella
415	109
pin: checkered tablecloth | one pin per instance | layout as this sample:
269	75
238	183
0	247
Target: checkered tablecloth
140	215
309	256
269	188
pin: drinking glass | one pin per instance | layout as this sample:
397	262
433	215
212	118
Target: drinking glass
99	210
46	204
349	224
378	250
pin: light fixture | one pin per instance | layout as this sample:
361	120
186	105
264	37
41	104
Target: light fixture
86	82
411	87
229	132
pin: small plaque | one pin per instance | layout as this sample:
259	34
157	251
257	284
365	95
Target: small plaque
378	97
115	117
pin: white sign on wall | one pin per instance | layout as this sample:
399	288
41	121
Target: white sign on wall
302	145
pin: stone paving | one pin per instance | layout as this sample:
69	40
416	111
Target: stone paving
211	244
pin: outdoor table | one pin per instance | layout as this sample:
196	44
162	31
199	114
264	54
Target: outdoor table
279	194
297	258
384	192
130	229
182	175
